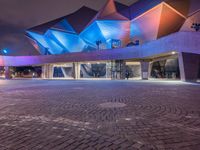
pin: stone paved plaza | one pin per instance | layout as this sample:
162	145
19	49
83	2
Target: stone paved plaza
99	115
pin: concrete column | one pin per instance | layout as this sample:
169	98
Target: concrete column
123	69
7	72
189	65
145	70
119	68
77	69
47	71
108	70
43	72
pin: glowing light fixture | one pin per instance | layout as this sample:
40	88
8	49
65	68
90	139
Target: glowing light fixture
173	53
5	51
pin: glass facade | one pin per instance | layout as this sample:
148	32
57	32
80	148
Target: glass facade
63	71
167	68
97	70
93	70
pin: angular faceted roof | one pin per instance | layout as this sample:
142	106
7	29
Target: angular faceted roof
142	6
194	18
44	27
173	22
157	22
119	6
78	21
194	7
123	9
144	20
110	12
181	6
64	26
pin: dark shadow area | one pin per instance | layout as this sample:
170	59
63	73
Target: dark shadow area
27	72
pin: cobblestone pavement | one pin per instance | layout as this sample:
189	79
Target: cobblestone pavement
99	115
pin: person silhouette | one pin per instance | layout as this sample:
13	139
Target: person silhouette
127	75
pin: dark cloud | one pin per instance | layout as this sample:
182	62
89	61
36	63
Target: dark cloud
18	15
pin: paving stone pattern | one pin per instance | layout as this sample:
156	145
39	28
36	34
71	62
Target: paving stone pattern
99	115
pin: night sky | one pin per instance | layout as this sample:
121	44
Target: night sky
18	15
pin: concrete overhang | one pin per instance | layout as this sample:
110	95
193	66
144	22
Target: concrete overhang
177	42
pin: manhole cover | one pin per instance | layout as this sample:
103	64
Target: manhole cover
112	105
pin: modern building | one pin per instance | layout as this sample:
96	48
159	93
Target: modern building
148	39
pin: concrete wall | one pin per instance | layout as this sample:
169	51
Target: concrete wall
189	65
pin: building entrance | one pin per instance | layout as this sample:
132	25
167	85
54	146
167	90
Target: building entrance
165	69
119	69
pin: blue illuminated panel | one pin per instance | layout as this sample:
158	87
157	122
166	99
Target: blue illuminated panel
92	34
71	42
64	26
114	30
47	43
135	29
101	34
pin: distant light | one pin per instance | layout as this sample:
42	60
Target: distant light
173	53
5	51
128	119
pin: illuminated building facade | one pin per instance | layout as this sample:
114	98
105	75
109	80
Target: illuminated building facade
147	39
